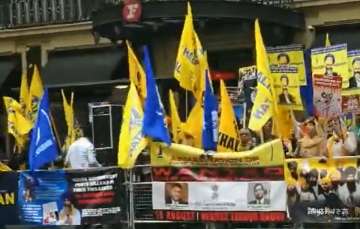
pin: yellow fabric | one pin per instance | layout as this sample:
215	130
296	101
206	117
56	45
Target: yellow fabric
4	167
18	125
176	124
131	140
36	91
193	126
228	124
327	40
264	105
24	95
191	60
264	155
69	118
136	72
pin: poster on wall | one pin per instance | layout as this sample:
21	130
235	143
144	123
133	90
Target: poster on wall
331	62
288	56
70	197
319	191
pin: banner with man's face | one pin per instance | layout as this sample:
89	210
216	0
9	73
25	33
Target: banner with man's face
354	68
289	56
331	61
287	87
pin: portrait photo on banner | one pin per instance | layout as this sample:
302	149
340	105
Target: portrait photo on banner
176	193
259	193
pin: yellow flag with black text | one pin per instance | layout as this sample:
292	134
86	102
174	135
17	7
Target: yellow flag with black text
136	72
176	125
264	105
228	128
191	60
36	92
131	139
18	125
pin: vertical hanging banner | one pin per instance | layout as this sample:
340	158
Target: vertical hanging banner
287	87
248	76
331	61
8	197
323	192
327	96
354	68
289	56
71	197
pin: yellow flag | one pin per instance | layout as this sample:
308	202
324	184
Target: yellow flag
69	118
193	126
24	95
228	128
18	125
191	60
4	167
136	72
176	125
264	105
131	140
327	40
36	91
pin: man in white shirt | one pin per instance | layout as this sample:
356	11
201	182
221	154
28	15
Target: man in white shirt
81	154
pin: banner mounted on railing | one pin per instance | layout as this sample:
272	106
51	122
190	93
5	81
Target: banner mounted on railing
8	197
265	155
70	197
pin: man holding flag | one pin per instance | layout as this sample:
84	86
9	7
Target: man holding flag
43	148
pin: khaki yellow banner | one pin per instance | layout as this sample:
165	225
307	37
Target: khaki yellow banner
331	61
265	155
289	56
354	68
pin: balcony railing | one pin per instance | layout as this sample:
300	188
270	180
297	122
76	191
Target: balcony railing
25	13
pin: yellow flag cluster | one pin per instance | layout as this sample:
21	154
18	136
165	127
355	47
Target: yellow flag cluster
131	140
264	105
191	60
193	125
136	72
18	125
24	95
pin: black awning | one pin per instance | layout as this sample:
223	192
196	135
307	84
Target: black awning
85	67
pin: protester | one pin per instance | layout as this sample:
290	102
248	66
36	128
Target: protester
246	140
81	154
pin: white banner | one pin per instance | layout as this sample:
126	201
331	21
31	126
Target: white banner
220	196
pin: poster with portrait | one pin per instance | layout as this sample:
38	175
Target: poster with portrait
289	56
351	103
248	77
327	96
323	191
225	197
71	197
331	61
287	87
354	68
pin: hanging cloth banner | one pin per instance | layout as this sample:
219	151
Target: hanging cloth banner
268	154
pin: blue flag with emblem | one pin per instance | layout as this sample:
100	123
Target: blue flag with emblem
210	126
43	148
154	125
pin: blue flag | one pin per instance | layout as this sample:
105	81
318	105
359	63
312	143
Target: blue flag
307	91
210	126
154	125
43	148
